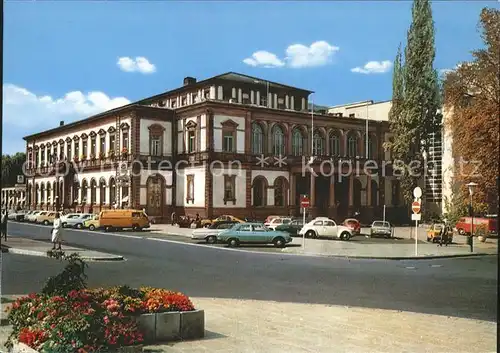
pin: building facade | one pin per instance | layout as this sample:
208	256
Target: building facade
14	197
231	144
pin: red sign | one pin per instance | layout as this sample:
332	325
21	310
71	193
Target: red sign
415	207
304	202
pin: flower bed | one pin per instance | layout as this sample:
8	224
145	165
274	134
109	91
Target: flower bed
89	320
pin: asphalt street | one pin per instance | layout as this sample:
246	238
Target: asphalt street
464	287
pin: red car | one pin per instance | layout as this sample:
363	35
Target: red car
353	225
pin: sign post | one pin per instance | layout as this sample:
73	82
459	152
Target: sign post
304	203
415	207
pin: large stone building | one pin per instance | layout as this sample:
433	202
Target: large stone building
231	144
436	180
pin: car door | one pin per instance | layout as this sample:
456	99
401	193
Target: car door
244	233
261	234
330	229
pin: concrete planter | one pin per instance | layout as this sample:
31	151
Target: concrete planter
172	326
481	238
19	347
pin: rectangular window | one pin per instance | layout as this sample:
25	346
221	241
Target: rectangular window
84	149
112	142
37	155
77	149
190	188
68	146
125	140
245	98
184	101
229	188
228	141
174	103
155	146
43	156
191	141
195	98
281	103
102	143
93	146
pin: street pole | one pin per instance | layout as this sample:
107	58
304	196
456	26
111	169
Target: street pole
416	238
384	213
471	226
303	224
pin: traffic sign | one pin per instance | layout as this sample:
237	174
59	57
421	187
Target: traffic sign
416	217
415	207
417	192
304	201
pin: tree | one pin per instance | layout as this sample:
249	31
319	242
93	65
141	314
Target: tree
472	101
416	96
12	166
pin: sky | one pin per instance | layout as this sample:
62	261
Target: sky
67	60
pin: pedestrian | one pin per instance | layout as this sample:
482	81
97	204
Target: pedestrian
443	238
3	225
198	221
57	233
173	218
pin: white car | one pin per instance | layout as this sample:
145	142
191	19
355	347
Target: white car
75	220
31	217
277	222
210	233
325	227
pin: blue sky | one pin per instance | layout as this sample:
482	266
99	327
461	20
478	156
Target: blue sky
55	48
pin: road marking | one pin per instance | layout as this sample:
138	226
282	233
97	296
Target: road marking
436	265
410	267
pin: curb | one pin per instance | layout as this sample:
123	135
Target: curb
44	254
395	258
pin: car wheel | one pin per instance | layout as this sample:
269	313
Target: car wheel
211	239
310	234
79	226
279	242
92	227
345	236
233	242
461	231
64	225
108	229
434	240
136	228
428	239
45	223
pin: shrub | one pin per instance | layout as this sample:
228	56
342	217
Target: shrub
73	277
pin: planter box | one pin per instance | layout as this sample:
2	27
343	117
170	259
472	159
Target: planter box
172	326
19	347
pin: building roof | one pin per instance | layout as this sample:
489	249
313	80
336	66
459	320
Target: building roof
360	103
92	118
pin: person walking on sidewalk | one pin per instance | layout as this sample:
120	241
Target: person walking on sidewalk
57	233
173	218
3	225
443	236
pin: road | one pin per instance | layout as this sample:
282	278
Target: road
454	287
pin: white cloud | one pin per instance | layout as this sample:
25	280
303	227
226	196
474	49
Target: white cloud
25	113
139	64
374	67
297	56
265	59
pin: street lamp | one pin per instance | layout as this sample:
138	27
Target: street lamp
472	188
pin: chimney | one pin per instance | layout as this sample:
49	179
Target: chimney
61	123
189	81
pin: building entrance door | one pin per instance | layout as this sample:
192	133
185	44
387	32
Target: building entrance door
155	197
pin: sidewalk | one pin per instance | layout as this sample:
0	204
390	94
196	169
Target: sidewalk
170	230
360	249
244	326
24	246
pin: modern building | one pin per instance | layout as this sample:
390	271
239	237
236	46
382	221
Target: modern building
230	144
432	183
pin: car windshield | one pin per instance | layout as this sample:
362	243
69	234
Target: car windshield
381	224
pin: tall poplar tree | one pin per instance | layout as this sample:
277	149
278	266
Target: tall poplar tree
397	146
417	116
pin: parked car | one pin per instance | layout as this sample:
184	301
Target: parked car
46	217
121	219
277	222
31	216
211	232
463	225
92	223
75	220
354	225
291	228
325	227
17	215
434	233
227	218
268	219
253	233
381	228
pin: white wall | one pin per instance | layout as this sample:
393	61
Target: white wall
199	186
218	187
375	111
240	132
144	136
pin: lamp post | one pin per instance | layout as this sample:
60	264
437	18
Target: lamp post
472	188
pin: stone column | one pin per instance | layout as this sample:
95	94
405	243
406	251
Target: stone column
212	92
240	95
368	190
351	191
287	102
275	103
303	104
220	93
292	102
269	100
258	98
293	181
233	93
252	97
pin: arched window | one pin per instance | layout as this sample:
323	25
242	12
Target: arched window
318	144
112	191
259	191
49	193
257	139
357	192
93	191
297	142
374	191
334	144
280	192
278	141
371	147
75	188
42	193
102	191
84	200
352	146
